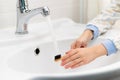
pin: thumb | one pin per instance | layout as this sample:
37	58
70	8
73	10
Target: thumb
78	44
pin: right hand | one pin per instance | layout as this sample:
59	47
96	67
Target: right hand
80	56
83	40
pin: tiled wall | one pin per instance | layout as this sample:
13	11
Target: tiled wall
59	9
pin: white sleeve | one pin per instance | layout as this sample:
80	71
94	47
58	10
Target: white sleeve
106	19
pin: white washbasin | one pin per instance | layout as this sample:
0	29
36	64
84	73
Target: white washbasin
43	65
19	62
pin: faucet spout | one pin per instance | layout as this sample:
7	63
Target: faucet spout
24	14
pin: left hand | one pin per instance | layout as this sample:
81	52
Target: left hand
81	56
83	40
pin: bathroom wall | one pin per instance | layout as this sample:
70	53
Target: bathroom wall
58	8
93	10
95	6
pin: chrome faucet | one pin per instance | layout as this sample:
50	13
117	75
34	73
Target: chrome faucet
24	14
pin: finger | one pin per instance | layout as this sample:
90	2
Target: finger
73	45
68	51
78	44
71	59
76	61
71	53
78	65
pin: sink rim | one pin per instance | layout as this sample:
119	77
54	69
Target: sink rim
107	70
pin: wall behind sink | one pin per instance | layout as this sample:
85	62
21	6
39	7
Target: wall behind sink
59	9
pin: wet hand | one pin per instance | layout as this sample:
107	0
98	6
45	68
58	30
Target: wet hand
83	40
81	56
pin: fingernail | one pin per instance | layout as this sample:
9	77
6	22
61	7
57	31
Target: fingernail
67	52
62	64
66	67
72	67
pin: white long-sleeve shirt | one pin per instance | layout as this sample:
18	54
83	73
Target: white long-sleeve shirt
104	22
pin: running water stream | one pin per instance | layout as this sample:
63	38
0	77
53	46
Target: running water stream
53	35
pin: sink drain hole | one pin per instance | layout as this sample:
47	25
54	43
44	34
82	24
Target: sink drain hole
37	51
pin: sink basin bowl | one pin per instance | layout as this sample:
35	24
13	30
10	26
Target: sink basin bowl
45	68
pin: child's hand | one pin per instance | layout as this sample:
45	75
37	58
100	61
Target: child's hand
81	56
83	40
